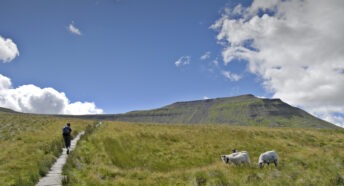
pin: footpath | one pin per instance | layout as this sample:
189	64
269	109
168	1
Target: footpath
54	176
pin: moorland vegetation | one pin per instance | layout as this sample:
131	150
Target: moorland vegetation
119	153
29	144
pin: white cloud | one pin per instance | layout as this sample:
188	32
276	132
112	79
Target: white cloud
33	99
5	82
231	76
262	97
216	62
206	56
205	97
8	50
297	49
184	60
73	29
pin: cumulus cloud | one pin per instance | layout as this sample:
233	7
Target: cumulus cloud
206	56
33	99
184	60
8	50
205	97
231	76
296	46
5	82
73	29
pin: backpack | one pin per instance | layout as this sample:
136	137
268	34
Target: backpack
66	130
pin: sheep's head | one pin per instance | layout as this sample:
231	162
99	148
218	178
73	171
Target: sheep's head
260	164
234	150
223	157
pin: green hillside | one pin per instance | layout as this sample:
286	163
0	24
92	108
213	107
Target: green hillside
119	153
245	110
29	144
158	154
7	110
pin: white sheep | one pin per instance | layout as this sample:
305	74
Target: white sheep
268	157
237	158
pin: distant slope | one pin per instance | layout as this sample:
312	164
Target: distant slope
245	110
7	110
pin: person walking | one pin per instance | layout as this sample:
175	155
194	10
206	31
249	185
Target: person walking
66	131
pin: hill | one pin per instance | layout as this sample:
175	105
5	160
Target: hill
245	110
6	110
130	153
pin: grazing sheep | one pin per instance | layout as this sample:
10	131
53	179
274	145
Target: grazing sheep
268	157
237	158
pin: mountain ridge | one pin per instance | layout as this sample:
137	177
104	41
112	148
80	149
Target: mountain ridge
242	110
7	110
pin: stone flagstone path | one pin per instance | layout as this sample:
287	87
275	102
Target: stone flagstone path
54	176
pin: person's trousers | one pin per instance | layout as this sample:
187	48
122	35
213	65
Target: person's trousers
67	140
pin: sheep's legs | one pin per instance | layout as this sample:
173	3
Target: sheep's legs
275	162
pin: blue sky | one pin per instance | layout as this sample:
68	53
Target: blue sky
125	58
114	56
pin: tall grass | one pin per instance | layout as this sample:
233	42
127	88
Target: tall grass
152	154
29	145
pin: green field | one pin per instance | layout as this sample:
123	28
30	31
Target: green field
29	144
152	154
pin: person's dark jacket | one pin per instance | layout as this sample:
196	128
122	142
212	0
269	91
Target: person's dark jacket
66	131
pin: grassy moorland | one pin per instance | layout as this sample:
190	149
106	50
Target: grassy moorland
120	153
29	144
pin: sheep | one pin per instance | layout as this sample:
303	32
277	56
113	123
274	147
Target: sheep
237	158
268	157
